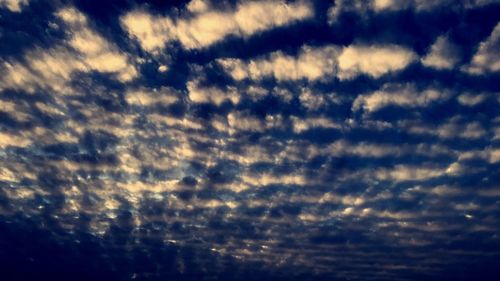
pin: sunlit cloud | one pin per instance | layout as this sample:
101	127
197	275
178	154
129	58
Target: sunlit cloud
208	25
486	58
442	54
14	5
392	6
323	63
83	51
374	61
399	95
210	139
311	64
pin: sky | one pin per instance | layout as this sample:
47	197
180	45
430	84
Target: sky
250	140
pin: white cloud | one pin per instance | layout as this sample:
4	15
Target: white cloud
10	139
383	4
151	31
315	101
378	150
98	54
399	95
316	63
469	99
162	68
409	173
442	54
472	130
201	94
452	128
14	5
490	154
256	92
252	17
148	97
363	149
197	6
493	155
50	69
311	64
300	125
268	179
374	60
239	121
209	26
83	51
15	110
487	57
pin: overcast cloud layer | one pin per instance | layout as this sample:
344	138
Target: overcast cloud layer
249	140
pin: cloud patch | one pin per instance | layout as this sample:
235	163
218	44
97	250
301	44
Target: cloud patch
374	61
442	54
311	64
398	95
322	63
14	5
83	51
208	26
366	7
487	58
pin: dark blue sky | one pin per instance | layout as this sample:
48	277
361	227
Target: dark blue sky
249	140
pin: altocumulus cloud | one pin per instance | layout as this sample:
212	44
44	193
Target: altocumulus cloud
249	140
206	26
321	63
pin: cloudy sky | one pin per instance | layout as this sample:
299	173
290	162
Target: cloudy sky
250	140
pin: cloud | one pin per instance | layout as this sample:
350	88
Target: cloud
442	54
490	154
269	179
374	61
399	95
314	101
14	110
487	58
208	26
452	128
162	68
409	173
98	54
14	5
366	7
83	51
244	122
322	63
241	122
148	97
50	69
11	139
304	124
385	4
251	167
151	31
342	6
311	63
365	149
201	94
469	99
198	6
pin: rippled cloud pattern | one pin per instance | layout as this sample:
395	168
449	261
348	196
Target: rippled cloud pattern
249	140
